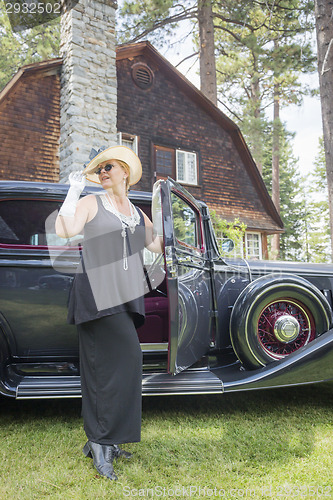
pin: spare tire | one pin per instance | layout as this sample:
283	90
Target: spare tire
275	316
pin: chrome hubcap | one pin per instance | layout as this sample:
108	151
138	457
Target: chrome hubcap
286	328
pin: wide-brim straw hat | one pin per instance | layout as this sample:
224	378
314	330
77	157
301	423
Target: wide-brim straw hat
115	153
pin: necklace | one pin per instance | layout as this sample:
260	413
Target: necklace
127	221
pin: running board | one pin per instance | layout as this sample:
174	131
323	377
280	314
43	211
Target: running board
49	387
200	381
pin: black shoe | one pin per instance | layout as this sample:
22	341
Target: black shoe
118	452
102	456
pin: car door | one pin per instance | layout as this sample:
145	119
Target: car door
33	292
188	278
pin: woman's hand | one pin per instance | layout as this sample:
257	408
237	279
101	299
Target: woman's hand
73	213
77	181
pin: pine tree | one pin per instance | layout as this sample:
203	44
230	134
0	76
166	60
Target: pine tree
25	47
266	60
293	210
324	29
317	224
157	21
262	48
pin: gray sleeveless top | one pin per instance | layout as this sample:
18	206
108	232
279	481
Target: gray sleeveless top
102	286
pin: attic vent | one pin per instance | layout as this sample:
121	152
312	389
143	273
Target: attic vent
142	76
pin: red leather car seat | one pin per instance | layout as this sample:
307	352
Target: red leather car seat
155	328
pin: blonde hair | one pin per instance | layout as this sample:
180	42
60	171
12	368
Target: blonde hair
124	165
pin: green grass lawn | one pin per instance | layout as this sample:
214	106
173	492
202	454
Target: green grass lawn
263	444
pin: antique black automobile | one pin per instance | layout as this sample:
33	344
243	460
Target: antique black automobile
213	325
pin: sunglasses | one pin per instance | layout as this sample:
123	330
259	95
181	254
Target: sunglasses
107	168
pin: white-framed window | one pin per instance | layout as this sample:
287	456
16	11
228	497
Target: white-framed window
131	141
186	167
253	245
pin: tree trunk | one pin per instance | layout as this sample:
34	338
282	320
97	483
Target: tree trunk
257	140
207	50
275	246
324	29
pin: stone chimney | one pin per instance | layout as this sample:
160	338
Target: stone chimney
88	100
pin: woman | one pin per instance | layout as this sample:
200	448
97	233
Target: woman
106	301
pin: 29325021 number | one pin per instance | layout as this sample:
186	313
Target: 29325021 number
299	491
33	8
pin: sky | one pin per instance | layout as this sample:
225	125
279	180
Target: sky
306	122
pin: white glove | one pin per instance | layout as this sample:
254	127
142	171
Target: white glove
156	209
77	182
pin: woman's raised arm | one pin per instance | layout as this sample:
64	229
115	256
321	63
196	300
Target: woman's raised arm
73	213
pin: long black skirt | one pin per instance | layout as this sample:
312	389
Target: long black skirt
111	379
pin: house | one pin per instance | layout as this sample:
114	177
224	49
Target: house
173	127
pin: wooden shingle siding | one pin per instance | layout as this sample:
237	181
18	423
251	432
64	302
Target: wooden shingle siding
165	115
29	128
170	113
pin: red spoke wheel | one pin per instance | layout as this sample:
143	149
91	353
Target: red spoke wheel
284	326
275	316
